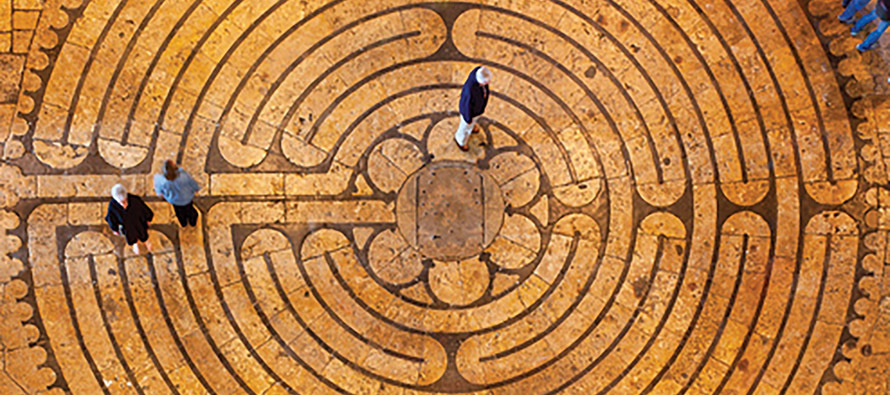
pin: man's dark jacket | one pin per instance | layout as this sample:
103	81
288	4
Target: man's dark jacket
473	98
133	220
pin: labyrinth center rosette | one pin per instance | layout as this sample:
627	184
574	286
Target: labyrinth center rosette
656	201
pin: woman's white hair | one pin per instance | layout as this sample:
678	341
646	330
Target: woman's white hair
483	75
119	193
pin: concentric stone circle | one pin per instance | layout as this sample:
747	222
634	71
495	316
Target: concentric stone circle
674	187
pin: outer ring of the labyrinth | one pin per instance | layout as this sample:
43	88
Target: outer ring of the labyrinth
852	373
745	227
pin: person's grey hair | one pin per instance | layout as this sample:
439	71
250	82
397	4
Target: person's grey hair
483	75
119	193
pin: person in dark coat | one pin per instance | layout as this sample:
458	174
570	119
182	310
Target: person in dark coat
882	11
178	188
130	216
473	99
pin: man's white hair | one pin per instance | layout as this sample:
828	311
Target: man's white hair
483	75
119	193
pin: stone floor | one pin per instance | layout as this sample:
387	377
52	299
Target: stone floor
666	196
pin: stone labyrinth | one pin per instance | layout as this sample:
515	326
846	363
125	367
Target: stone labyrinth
666	196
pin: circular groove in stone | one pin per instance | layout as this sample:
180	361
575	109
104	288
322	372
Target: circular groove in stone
663	198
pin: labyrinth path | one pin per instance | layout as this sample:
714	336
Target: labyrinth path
665	197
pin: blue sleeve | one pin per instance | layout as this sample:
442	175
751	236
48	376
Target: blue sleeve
465	94
158	187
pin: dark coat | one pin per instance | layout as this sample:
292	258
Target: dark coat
132	221
473	98
882	8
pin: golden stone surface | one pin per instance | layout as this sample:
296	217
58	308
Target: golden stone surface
664	196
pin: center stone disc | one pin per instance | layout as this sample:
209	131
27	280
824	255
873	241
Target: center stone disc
449	210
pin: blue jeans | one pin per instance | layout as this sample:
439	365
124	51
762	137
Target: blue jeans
872	38
876	34
852	8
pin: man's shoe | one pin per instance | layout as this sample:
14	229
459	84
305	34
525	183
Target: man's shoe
463	148
475	129
863	48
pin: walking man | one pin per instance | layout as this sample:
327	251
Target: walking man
473	99
129	216
178	188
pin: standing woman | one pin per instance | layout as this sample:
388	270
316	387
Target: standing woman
178	188
129	215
